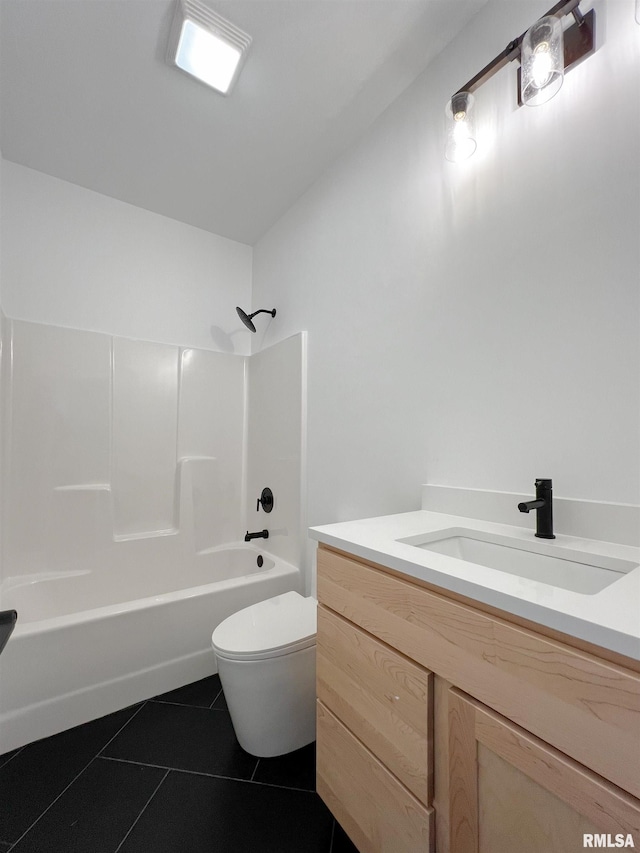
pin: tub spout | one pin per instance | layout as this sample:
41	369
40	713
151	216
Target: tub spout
261	534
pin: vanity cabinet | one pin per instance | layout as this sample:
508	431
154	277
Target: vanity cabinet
443	726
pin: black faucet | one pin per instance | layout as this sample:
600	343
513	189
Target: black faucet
261	534
543	506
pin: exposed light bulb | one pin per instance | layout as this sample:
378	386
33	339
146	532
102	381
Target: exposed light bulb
461	136
542	65
542	61
463	142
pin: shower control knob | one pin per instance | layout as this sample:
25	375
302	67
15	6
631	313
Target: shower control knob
265	500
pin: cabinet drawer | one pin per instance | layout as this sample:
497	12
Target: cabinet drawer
381	696
375	809
584	706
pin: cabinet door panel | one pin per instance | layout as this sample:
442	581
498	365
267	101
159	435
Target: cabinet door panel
508	790
381	696
516	814
378	813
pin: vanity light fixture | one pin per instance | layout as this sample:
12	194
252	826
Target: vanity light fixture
545	52
207	46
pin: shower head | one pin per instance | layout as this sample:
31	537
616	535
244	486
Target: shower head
247	318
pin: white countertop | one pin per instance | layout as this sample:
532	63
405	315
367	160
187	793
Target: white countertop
609	618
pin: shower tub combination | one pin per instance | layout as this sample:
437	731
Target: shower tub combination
80	650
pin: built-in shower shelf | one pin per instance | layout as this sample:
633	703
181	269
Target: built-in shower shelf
85	512
84	487
16	581
145	534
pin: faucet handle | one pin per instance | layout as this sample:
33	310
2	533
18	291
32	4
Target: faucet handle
265	500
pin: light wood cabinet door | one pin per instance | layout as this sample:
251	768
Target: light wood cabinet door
378	813
509	791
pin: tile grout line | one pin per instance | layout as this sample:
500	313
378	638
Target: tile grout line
218	694
183	705
15	755
123	726
51	804
206	775
77	776
255	770
144	808
146	764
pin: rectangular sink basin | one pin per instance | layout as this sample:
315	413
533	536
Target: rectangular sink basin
559	567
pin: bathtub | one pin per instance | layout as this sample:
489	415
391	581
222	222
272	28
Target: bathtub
89	643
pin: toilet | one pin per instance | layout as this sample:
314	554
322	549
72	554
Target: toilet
267	665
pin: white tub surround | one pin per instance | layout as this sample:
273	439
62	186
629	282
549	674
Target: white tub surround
115	449
124	491
607	618
276	449
64	668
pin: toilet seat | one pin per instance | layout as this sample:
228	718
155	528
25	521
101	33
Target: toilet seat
278	626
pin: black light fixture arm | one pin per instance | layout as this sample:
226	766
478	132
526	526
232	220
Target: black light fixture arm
578	17
512	50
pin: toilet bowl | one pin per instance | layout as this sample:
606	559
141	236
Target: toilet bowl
266	657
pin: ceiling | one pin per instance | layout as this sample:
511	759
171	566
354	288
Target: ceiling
87	96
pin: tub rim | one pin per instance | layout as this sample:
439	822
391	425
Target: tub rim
94	614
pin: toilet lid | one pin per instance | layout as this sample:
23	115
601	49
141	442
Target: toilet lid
277	626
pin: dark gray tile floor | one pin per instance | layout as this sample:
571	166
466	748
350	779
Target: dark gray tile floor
167	776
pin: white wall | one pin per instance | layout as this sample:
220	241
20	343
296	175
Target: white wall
75	258
473	325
